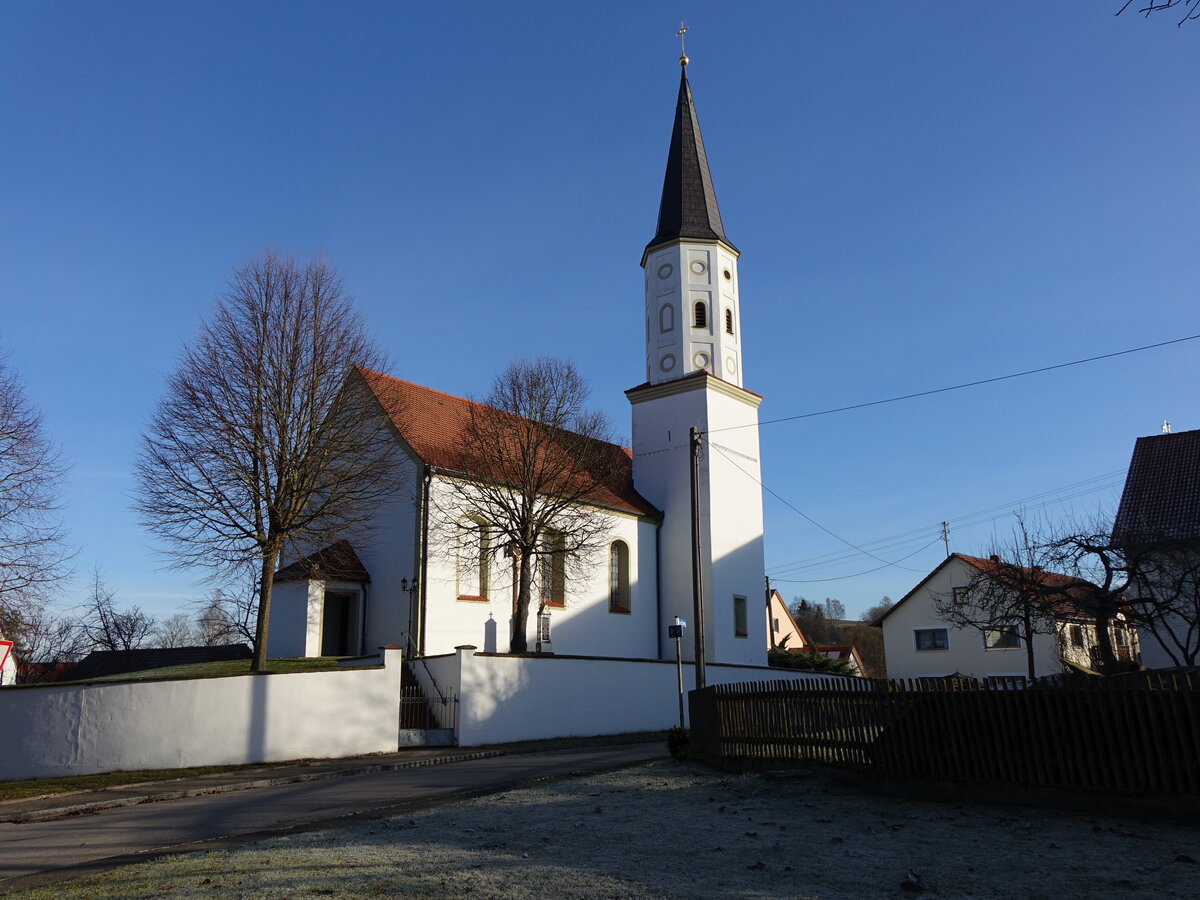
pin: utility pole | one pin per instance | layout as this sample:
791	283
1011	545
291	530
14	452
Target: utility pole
946	536
697	569
770	623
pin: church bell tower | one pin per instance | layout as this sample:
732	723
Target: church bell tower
694	380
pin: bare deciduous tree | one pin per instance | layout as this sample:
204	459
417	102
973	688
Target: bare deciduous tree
175	631
1149	578
109	628
537	463
1190	8
1015	594
266	441
229	616
33	556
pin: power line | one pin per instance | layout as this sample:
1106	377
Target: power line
959	387
807	518
857	574
968	520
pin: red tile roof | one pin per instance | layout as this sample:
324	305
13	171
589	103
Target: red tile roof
433	425
993	566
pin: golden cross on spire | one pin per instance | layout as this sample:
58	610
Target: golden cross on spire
683	57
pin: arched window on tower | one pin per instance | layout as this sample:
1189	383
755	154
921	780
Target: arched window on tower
666	318
700	315
618	577
729	321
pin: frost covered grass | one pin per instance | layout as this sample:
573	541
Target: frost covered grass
669	830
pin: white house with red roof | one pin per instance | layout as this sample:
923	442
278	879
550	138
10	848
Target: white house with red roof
917	643
410	585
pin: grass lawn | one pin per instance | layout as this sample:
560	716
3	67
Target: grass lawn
224	667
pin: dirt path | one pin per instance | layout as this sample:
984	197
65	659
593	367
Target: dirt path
664	830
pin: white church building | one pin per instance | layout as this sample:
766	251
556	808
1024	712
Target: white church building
411	586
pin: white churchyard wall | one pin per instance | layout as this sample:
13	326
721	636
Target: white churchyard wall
509	698
80	729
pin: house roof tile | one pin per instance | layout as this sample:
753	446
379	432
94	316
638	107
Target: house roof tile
1162	490
337	562
433	424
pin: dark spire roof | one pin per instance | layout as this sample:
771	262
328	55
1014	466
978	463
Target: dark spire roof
689	204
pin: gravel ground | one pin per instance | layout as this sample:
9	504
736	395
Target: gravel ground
669	830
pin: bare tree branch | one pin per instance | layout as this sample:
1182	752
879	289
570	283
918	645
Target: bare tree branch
267	441
1191	8
33	555
535	469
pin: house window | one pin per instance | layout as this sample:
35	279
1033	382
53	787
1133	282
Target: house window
931	639
775	625
700	315
960	595
554	570
618	577
1119	635
729	321
1076	635
739	617
1006	638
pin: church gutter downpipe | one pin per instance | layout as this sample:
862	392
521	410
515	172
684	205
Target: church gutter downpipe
697	573
658	611
422	566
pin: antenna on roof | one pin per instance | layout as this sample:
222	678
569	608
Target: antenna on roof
1166	427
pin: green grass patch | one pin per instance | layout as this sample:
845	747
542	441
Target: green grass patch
224	667
45	787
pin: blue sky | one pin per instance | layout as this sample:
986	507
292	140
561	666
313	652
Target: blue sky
924	194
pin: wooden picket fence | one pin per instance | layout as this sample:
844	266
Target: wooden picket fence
1136	734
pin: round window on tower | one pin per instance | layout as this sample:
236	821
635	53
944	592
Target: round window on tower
698	267
728	275
665	270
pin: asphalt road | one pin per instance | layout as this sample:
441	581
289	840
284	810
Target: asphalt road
39	852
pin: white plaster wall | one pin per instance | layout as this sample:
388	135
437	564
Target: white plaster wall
676	276
509	698
966	653
731	512
583	627
288	628
82	729
389	554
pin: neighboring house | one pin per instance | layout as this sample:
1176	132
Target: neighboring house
919	644
8	664
847	654
418	585
784	633
782	630
1161	504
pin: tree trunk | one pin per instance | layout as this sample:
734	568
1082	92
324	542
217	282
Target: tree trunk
267	576
1028	623
1108	659
519	642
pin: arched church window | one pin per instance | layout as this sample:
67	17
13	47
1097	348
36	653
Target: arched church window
474	560
700	315
729	321
553	559
618	577
666	318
